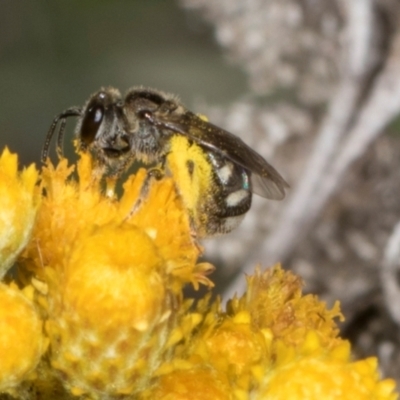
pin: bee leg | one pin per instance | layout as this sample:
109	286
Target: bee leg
195	238
153	173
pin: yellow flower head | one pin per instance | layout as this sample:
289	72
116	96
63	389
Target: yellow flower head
318	373
196	383
73	207
103	278
274	336
231	344
115	268
19	200
21	340
274	300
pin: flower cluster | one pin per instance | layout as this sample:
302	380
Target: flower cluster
94	306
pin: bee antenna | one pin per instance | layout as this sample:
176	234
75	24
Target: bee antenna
70	112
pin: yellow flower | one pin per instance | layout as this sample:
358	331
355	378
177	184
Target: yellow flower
196	383
109	271
113	288
18	204
318	373
21	340
269	335
274	300
72	208
232	345
115	268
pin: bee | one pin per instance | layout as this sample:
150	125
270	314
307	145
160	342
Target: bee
215	172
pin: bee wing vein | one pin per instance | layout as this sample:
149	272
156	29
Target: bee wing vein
266	181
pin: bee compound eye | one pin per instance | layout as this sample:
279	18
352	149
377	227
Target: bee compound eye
92	120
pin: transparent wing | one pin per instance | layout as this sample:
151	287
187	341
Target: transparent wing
266	180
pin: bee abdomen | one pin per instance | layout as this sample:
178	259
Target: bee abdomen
234	183
239	200
234	203
232	196
228	211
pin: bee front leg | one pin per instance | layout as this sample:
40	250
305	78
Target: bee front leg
153	173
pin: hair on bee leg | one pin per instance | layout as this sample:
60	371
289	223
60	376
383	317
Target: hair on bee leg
195	238
153	173
60	138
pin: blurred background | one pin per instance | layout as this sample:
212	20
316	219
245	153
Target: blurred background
313	85
54	54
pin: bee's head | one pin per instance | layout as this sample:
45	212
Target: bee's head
102	125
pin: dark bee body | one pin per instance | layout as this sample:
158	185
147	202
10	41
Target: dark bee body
215	172
233	199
